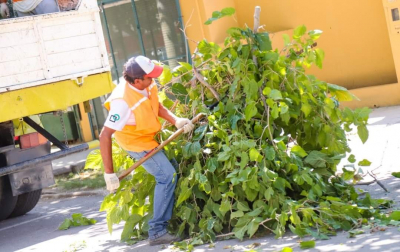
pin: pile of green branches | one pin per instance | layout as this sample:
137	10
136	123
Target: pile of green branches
266	158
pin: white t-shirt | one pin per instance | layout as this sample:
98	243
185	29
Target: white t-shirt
120	114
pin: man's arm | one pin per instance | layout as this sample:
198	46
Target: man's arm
106	149
164	113
184	123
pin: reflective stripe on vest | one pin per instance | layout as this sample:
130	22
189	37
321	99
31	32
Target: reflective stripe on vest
138	103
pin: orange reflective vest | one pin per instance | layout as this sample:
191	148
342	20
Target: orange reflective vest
139	137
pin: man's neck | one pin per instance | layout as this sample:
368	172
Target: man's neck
135	86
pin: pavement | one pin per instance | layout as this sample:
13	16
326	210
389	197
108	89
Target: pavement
72	163
382	149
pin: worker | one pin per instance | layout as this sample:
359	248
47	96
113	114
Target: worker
134	109
29	7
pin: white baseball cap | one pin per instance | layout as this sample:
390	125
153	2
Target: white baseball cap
142	66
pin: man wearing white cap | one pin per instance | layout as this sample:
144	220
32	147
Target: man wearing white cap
133	119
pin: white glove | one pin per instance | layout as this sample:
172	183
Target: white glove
112	181
185	123
4	11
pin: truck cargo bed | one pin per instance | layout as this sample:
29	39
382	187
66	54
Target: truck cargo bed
60	52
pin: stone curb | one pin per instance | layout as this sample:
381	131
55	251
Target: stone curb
75	168
53	195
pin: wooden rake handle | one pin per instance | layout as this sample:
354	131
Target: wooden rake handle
157	149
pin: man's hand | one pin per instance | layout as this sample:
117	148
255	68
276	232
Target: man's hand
185	123
4	11
112	181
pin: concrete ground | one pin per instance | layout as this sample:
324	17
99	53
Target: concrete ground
382	149
71	163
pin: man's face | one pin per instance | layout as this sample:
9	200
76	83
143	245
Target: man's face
142	84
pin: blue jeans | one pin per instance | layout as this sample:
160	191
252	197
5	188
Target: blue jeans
161	168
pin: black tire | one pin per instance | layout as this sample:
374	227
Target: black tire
26	202
7	200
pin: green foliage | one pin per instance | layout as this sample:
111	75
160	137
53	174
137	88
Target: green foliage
76	221
220	14
307	244
396	174
266	157
121	159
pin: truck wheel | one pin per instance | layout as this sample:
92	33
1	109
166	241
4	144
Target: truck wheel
7	200
26	202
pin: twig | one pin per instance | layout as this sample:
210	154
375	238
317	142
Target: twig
255	29
205	83
377	181
172	110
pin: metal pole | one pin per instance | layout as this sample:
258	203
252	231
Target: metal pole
135	14
180	18
109	40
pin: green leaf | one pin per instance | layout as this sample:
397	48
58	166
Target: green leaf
250	111
212	164
353	233
298	151
186	65
275	111
94	160
243	206
352	159
279	184
395	215
191	149
320	57
225	207
269	153
275	94
237	214
299	31
132	221
264	43
362	132
254	155
180	92
166	75
244	160
287	249
268	193
240	232
306	108
315	34
253	227
228	11
396	174
266	91
340	93
307	244
364	162
223	156
217	15
184	195
251	90
65	224
317	159
286	39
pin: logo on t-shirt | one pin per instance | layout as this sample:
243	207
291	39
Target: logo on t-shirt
114	118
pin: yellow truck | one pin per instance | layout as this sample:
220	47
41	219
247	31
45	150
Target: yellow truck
47	63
